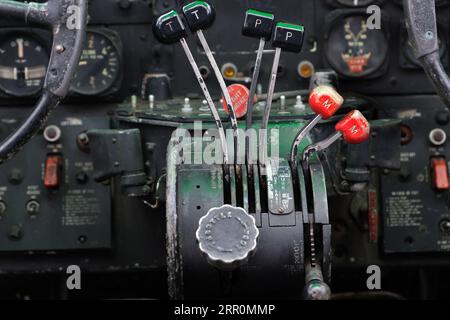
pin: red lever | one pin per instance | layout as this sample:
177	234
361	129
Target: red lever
325	101
354	127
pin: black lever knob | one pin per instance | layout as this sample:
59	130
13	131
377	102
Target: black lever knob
169	28
200	15
288	36
258	24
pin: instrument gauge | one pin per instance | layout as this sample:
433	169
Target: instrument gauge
23	65
100	64
354	50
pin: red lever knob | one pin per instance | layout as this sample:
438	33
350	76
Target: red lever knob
354	127
325	101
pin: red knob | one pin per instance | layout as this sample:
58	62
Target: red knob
239	97
325	101
354	127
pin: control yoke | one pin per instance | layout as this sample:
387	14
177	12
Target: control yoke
67	21
422	31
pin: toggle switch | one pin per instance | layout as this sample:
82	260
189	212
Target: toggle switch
52	172
439	168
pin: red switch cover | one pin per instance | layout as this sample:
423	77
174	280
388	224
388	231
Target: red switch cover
440	173
52	171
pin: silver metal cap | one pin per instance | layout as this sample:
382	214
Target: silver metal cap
227	236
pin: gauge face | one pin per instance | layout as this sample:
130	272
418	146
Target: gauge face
23	65
354	50
98	68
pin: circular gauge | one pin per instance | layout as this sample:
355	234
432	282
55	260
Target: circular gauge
99	66
23	65
354	50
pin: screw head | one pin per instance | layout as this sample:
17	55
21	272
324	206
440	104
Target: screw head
60	48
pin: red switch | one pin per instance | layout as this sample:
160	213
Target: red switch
52	171
440	173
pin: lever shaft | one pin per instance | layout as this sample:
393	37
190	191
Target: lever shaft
212	107
223	88
251	99
268	107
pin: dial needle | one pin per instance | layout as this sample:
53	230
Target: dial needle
20	49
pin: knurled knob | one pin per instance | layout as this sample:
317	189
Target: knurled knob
227	236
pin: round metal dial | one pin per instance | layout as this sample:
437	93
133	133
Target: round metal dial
227	236
354	50
23	65
99	66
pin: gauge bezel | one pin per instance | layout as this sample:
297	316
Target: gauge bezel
337	16
40	37
114	38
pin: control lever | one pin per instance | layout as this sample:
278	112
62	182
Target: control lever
354	128
67	20
169	29
325	102
200	15
316	288
257	24
288	37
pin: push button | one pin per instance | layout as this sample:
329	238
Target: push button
440	173
52	171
